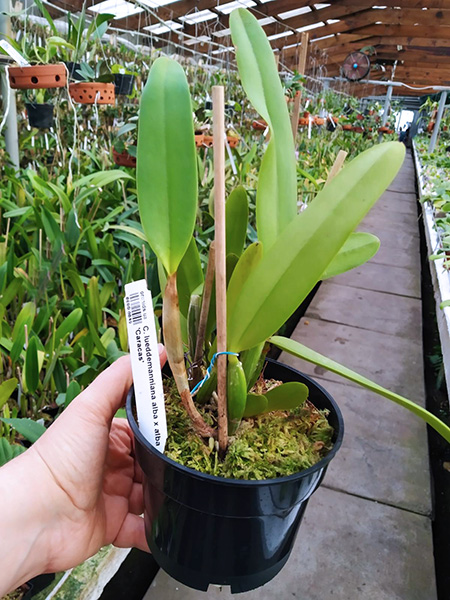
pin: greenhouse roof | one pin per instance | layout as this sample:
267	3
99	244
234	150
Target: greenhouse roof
410	43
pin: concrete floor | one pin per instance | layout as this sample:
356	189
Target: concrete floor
366	534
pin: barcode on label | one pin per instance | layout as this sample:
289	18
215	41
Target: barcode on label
135	309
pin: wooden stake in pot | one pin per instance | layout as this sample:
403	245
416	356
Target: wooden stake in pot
301	68
220	251
337	165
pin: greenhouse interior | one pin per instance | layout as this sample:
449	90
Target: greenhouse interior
206	388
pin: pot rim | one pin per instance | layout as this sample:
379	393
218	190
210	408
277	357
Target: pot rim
339	431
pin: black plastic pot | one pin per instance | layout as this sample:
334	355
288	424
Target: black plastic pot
206	530
40	115
123	84
73	68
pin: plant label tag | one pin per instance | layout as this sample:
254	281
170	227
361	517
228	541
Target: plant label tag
147	379
12	52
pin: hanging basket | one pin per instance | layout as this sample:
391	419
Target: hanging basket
347	127
124	159
92	92
385	130
232	140
357	129
319	120
38	77
40	115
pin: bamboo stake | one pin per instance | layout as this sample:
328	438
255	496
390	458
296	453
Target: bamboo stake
301	68
220	260
337	165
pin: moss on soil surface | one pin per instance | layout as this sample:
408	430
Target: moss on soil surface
272	445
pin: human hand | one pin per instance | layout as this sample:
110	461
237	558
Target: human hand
78	487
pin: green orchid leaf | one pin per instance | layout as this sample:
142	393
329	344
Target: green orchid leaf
236	210
68	325
286	396
25	317
101	178
9	451
6	389
94	308
256	405
31	430
31	368
301	351
189	276
245	266
167	163
357	250
231	262
276	202
288	271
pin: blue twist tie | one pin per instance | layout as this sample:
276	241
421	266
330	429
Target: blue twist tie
209	369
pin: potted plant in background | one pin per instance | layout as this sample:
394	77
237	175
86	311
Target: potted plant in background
244	497
124	144
96	86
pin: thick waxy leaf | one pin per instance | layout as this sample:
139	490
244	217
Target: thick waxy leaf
94	307
256	405
357	250
6	389
245	266
301	351
31	430
236	211
276	203
167	163
9	451
286	396
288	271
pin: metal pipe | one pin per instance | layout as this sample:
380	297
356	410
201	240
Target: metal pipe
437	125
438	88
9	95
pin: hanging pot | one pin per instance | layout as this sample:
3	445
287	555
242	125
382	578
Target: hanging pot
206	530
124	159
199	140
38	77
73	69
92	92
259	125
357	129
347	127
319	120
40	115
123	84
233	141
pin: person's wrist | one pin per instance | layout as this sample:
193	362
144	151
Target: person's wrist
25	520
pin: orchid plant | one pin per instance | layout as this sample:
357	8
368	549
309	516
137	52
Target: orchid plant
269	279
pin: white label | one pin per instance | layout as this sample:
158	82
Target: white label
145	364
14	54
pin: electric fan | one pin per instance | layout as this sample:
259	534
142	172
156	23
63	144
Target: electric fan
356	66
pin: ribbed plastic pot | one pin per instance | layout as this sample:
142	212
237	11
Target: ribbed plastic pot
40	115
73	68
123	84
206	530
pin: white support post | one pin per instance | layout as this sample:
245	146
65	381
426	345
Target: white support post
8	95
437	125
387	104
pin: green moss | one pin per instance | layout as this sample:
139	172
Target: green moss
272	445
